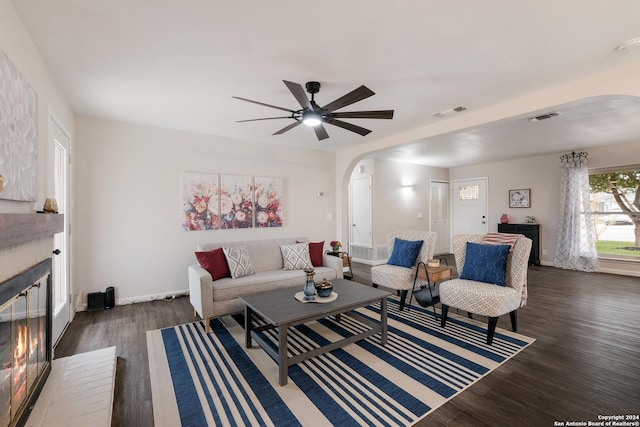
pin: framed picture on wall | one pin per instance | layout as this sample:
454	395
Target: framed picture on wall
520	198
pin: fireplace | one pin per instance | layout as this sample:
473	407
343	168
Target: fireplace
25	341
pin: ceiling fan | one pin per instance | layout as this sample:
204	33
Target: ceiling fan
311	114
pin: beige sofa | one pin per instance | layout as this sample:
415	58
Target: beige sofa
212	298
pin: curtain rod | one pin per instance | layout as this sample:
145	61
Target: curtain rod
573	155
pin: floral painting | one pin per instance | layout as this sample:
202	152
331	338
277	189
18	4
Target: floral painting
269	202
18	134
236	201
200	202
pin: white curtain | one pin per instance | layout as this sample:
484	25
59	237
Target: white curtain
576	247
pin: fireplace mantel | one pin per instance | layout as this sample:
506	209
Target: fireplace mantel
16	229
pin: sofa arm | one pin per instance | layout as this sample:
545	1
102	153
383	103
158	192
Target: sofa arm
333	262
200	290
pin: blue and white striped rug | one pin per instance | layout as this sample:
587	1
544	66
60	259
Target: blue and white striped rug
205	380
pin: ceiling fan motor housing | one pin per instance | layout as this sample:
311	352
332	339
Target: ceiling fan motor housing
313	87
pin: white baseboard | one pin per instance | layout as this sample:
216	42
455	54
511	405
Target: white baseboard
607	270
619	272
143	298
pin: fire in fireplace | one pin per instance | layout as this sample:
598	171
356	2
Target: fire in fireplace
25	341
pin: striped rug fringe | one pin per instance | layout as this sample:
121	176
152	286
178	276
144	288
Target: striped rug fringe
201	379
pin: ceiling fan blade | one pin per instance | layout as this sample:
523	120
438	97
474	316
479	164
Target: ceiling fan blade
262	103
266	118
299	93
348	126
379	114
321	132
355	95
286	128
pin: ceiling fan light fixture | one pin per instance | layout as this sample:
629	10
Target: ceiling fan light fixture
312	119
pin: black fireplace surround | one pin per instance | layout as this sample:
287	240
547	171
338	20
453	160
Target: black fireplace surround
25	341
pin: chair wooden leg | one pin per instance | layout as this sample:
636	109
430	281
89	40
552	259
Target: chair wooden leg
469	315
491	330
403	297
375	285
207	326
443	316
514	320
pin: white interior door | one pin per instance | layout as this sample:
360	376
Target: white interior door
59	163
469	204
439	214
360	209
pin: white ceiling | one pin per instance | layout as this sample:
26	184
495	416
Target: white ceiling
177	64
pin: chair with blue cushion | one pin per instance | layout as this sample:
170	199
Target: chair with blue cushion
408	248
490	280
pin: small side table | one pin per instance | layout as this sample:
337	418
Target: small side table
346	263
431	275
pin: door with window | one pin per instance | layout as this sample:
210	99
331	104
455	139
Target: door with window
469	204
59	188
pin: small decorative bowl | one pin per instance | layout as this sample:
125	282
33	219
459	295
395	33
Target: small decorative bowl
324	289
433	263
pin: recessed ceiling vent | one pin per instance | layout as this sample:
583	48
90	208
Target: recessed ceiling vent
544	116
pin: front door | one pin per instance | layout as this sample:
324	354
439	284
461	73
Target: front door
469	203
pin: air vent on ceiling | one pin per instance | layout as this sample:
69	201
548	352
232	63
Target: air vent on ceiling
544	116
457	109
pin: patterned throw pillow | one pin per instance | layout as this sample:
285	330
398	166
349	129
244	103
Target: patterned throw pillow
405	252
315	252
239	262
486	263
296	256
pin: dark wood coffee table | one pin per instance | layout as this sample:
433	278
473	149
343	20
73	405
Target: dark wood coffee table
279	310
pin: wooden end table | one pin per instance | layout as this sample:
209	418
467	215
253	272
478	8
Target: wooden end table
346	262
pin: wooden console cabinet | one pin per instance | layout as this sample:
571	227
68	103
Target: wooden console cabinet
532	231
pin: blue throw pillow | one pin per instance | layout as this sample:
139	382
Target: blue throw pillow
486	263
405	252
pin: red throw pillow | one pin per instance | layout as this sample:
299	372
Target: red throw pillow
215	263
315	252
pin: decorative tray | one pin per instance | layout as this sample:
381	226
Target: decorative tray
300	297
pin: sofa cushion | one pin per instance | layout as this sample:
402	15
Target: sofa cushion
486	263
215	263
239	262
315	252
296	256
405	252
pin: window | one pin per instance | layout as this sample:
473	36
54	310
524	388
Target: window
470	192
615	205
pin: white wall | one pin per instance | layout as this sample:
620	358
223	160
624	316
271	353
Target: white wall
395	204
542	175
17	44
127	232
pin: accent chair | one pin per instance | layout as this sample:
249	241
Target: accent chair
401	278
486	298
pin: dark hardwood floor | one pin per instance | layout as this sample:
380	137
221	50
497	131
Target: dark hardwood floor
585	361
